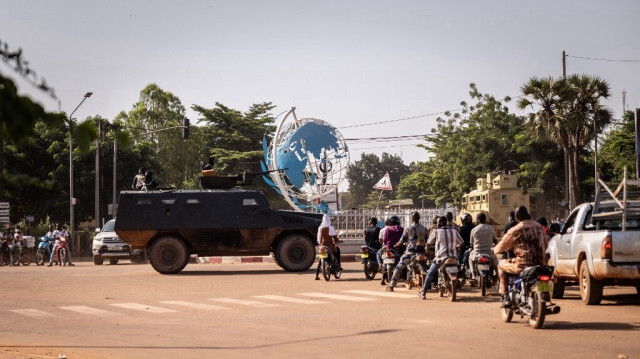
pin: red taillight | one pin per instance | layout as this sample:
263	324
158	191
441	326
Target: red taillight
605	249
389	254
483	260
544	278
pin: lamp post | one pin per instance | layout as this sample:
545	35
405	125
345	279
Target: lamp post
71	199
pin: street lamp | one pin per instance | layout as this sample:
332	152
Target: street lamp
71	199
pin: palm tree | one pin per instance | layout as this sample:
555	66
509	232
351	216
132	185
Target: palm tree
569	112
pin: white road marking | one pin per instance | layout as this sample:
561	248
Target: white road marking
289	299
194	305
382	294
338	297
143	307
33	313
89	311
250	303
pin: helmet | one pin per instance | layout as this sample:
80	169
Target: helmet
465	217
395	220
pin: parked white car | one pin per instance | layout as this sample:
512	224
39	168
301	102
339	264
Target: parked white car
107	245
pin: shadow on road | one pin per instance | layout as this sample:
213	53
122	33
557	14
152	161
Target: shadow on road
552	325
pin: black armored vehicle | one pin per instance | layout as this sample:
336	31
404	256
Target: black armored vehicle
172	225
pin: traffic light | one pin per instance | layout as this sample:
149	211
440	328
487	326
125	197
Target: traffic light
185	128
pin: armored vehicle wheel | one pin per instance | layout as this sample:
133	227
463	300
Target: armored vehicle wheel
169	255
295	253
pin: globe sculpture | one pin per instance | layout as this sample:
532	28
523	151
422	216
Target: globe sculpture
307	159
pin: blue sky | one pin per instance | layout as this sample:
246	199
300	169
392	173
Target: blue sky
346	62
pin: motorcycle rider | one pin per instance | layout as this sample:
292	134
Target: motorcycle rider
392	236
138	179
327	237
372	234
380	238
14	244
529	243
61	231
415	237
483	237
48	237
446	240
465	233
450	222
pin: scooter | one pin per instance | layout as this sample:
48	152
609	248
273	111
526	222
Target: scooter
390	258
530	295
63	251
41	253
328	263
368	259
417	268
484	273
448	278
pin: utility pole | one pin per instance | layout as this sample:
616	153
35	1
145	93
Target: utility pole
567	184
637	115
624	101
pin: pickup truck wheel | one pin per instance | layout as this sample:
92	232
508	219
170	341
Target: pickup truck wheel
169	255
97	260
558	289
590	288
295	253
113	261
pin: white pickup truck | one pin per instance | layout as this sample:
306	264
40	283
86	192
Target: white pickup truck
595	253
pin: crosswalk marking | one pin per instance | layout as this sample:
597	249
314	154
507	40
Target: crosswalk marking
381	294
33	313
194	305
289	299
90	311
143	307
338	297
250	303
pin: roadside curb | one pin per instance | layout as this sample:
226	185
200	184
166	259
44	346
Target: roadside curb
256	259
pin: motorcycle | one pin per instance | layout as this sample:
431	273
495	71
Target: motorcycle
41	253
530	295
390	258
22	254
4	253
484	272
328	263
368	259
448	278
63	251
417	268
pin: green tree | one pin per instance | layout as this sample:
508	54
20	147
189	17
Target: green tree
467	145
413	186
376	199
154	119
568	111
618	151
366	172
234	138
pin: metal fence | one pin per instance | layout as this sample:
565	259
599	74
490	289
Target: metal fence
352	223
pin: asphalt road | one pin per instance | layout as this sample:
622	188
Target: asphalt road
259	310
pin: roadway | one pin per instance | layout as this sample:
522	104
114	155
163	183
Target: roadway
258	310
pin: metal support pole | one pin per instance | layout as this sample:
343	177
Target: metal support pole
114	197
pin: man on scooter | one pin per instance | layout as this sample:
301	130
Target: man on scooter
483	237
415	236
529	243
392	235
327	237
446	240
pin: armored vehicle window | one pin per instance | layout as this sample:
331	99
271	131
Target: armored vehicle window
249	202
484	198
144	202
477	198
505	199
169	201
193	201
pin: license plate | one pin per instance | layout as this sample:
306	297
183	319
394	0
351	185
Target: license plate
451	269
544	287
483	267
112	248
389	261
364	255
323	255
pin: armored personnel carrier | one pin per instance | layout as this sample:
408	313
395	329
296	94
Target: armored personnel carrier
172	225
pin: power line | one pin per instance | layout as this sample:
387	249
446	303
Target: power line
601	59
402	119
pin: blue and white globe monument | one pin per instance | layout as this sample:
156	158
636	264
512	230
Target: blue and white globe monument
308	158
